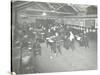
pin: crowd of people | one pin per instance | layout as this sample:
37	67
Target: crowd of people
54	35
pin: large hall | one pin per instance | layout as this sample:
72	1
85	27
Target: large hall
53	37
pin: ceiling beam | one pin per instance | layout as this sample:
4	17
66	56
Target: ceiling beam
19	5
74	8
51	6
40	6
82	17
23	6
60	7
46	11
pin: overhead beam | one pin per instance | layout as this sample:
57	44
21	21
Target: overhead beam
74	8
46	11
51	6
40	6
19	5
82	17
60	7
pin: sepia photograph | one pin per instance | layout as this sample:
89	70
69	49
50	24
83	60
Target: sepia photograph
49	37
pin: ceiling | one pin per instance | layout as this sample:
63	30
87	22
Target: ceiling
51	9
